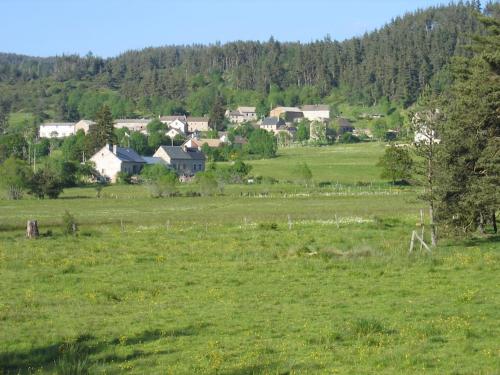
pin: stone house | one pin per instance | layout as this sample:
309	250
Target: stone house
289	114
184	160
111	159
273	124
84	125
167	120
241	114
197	124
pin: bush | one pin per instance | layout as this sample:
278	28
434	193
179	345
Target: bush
15	175
348	138
124	178
46	182
69	223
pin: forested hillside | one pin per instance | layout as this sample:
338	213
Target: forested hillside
394	62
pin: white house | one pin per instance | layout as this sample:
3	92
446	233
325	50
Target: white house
316	112
167	120
84	125
57	129
110	160
172	133
179	125
136	125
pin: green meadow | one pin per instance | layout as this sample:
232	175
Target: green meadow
262	279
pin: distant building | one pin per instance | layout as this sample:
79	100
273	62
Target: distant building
198	143
169	119
289	114
345	126
84	125
184	160
273	124
316	112
197	124
241	114
57	129
172	133
180	125
136	125
111	160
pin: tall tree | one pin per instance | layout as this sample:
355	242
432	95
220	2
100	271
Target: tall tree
471	137
217	113
102	132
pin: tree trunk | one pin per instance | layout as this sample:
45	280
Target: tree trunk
481	223
32	229
494	220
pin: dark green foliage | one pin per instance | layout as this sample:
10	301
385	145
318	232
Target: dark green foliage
174	79
15	175
262	143
217	112
161	181
123	178
5	106
46	182
469	159
348	137
102	132
396	164
303	131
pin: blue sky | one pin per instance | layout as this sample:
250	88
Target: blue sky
109	27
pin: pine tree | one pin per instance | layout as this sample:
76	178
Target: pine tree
102	132
471	138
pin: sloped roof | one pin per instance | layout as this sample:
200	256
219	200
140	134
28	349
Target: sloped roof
288	109
59	124
246	109
173	118
153	160
177	152
315	107
128	154
273	121
210	142
132	121
197	119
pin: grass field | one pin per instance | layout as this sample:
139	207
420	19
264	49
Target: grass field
225	285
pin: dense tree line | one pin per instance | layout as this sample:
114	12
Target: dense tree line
394	62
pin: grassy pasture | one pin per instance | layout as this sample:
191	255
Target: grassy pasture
224	285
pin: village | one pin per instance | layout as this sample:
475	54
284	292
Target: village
188	158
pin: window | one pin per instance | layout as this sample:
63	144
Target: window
199	165
194	167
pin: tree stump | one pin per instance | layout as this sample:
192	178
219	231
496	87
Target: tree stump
32	229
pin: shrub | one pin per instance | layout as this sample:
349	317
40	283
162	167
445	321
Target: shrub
69	223
124	178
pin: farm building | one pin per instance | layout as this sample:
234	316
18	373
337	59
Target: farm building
57	129
111	159
184	160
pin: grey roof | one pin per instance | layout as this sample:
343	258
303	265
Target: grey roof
315	107
127	154
132	121
152	160
273	121
177	152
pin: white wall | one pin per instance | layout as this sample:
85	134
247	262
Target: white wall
106	163
316	115
56	131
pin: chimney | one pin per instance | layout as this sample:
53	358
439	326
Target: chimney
109	146
114	149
